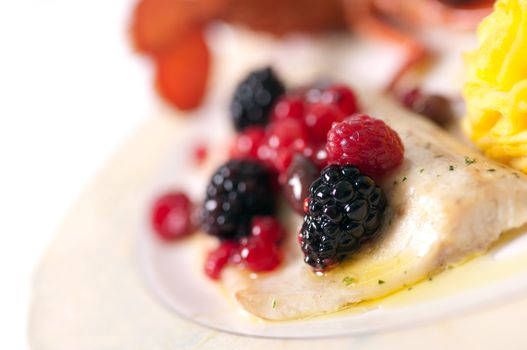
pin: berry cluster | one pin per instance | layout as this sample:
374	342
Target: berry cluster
298	123
288	140
257	252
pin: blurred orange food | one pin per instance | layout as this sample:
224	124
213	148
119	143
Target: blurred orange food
182	71
171	30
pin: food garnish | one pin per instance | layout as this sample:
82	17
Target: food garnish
496	88
345	209
254	98
171	216
238	191
366	142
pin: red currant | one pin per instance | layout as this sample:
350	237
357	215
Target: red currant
247	143
218	258
258	255
342	97
171	216
290	107
319	118
267	228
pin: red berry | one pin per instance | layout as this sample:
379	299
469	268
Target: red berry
342	97
218	258
288	107
318	154
283	139
408	98
365	142
287	133
171	216
200	154
258	255
319	118
247	143
306	204
267	228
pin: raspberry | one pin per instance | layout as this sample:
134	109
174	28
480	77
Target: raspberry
342	97
171	216
288	107
365	142
267	228
247	143
238	191
254	98
259	255
182	72
319	118
344	209
218	258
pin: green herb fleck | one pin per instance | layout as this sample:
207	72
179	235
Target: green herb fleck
421	170
516	175
395	182
428	144
273	304
491	170
450	168
430	278
405	178
439	156
409	289
469	161
381	281
348	280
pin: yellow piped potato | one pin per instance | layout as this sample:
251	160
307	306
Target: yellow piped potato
496	88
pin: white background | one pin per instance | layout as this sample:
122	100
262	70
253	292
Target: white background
71	92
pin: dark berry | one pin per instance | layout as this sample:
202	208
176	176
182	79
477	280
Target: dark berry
368	143
254	98
238	191
344	210
437	108
171	216
300	175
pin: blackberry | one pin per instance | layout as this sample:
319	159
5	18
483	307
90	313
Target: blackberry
345	209
238	190
254	97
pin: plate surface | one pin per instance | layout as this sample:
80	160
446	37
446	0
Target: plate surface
105	283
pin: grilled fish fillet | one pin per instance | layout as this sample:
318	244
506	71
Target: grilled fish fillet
446	203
